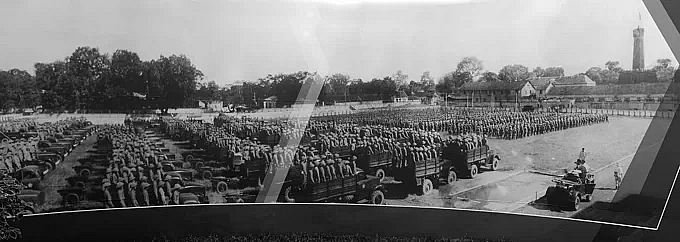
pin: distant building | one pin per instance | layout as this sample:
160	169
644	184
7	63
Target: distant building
543	85
611	93
269	102
577	80
635	77
400	97
213	105
497	91
431	99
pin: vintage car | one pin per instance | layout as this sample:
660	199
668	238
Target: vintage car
570	190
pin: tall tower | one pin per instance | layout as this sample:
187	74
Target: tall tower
639	47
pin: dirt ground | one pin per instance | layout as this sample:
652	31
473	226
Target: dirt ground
605	143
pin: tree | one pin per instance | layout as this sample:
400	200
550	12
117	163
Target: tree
172	81
401	79
385	87
664	70
613	66
54	80
426	79
19	90
538	72
554	72
609	76
125	78
452	81
511	73
337	84
470	65
594	73
86	71
663	63
490	77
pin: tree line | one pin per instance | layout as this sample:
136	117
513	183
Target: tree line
91	80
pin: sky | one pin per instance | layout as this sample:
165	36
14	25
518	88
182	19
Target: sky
247	39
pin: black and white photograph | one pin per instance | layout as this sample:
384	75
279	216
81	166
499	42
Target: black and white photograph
530	107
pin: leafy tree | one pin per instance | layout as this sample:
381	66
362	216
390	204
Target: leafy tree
450	82
172	81
594	73
664	69
511	73
401	79
470	65
613	66
554	72
538	72
86	71
490	77
385	87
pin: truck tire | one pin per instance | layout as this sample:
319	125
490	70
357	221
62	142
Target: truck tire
85	172
207	175
378	197
287	194
221	187
380	173
198	165
587	198
188	158
473	171
494	164
452	178
71	199
80	184
577	201
427	186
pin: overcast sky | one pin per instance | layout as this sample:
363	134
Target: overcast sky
244	40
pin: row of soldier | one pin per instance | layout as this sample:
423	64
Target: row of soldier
135	168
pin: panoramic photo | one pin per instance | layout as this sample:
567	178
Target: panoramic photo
528	107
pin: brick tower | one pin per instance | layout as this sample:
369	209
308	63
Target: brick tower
638	49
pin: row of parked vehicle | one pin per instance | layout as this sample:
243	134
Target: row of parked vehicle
156	181
36	149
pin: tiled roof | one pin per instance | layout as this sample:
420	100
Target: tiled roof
542	83
573	80
623	89
492	86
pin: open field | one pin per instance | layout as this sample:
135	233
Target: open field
513	187
509	189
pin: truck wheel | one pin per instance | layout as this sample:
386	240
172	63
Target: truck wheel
49	166
427	186
494	164
207	175
577	202
452	178
380	173
377	197
473	171
188	158
198	165
80	184
222	187
287	195
71	199
85	172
